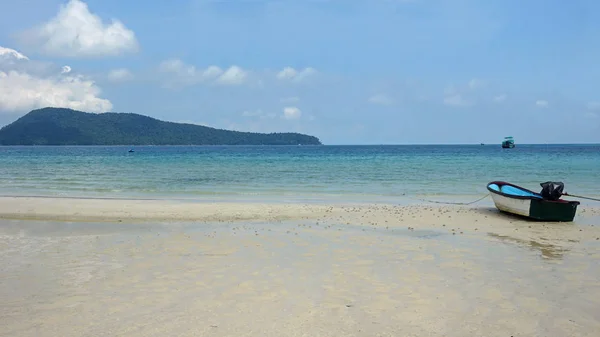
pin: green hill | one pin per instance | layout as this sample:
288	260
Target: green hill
57	126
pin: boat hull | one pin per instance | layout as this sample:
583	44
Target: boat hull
533	207
511	205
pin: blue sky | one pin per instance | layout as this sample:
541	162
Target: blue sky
349	72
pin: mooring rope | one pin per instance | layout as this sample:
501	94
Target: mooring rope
487	195
452	203
577	196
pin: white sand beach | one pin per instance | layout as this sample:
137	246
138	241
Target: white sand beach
97	267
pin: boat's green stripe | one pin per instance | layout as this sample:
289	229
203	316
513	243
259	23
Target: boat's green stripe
547	211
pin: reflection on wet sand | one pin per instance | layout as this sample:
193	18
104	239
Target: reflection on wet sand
548	251
374	270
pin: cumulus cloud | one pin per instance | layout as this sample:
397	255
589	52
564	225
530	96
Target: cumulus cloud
11	59
381	99
120	75
181	74
233	76
211	72
291	74
7	54
287	73
541	103
22	91
178	67
76	32
291	112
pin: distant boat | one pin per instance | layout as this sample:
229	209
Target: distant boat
517	200
482	144
131	150
508	143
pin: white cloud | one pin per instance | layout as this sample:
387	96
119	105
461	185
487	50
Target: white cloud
305	73
287	73
22	91
291	112
120	75
177	66
182	74
11	59
11	54
456	100
76	32
541	103
381	99
211	72
233	76
500	98
291	74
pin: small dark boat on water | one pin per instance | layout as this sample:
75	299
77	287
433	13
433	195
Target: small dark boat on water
508	143
544	206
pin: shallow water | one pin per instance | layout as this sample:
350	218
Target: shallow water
289	278
378	173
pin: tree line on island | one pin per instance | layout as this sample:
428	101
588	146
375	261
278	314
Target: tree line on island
60	126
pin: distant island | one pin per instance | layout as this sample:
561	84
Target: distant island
59	126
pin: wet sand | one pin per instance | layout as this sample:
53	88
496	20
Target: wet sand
293	270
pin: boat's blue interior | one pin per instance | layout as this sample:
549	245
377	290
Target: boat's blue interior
511	190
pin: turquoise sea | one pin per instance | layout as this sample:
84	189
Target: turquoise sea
293	173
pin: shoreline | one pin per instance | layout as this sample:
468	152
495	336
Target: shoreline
458	219
261	197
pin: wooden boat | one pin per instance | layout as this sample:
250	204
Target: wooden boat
517	200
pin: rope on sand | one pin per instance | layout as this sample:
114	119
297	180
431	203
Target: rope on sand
581	197
453	203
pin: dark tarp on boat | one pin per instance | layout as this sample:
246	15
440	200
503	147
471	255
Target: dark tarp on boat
552	190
